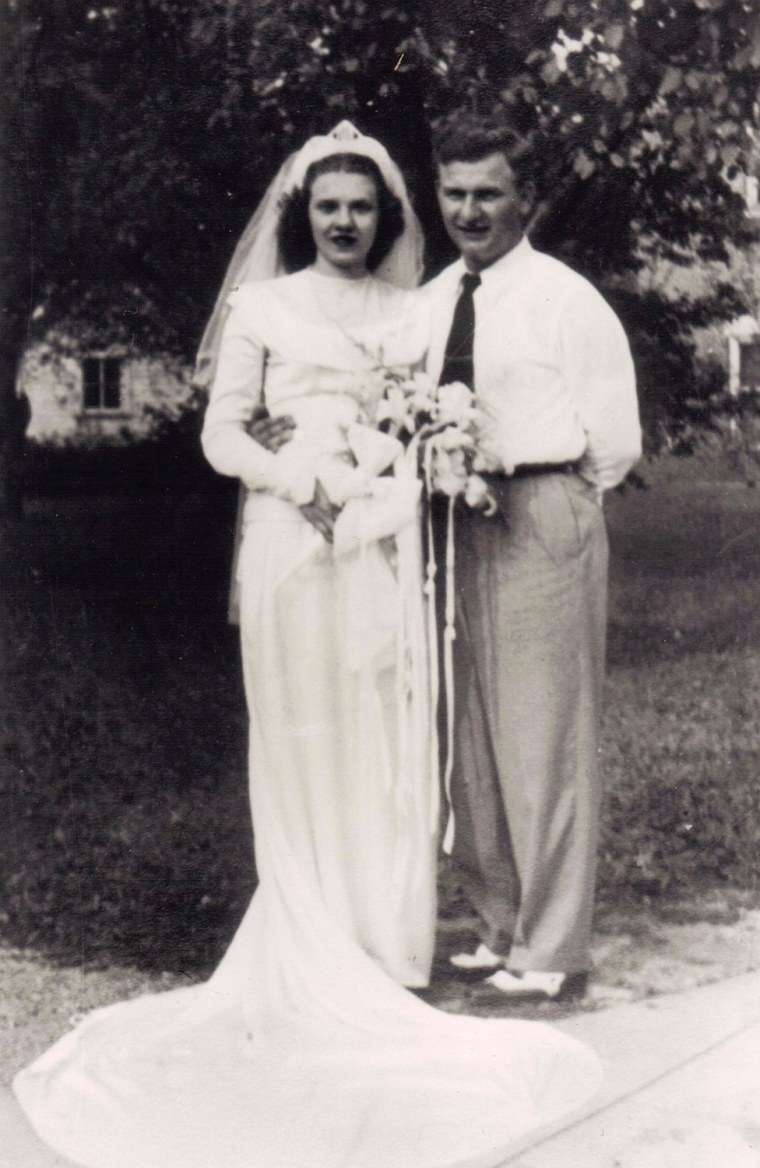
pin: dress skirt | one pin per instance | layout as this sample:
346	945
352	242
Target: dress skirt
304	1049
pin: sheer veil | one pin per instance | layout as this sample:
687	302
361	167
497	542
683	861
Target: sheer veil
256	256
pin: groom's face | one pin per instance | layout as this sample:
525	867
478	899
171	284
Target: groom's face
481	207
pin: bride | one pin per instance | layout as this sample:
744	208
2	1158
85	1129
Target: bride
304	1050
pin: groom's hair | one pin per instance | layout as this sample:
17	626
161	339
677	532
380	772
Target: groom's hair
466	136
294	237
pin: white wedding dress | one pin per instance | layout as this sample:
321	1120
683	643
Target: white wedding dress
304	1050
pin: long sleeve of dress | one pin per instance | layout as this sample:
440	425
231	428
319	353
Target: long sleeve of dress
237	390
598	367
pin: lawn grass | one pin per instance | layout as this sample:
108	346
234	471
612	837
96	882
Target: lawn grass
123	791
124	786
680	740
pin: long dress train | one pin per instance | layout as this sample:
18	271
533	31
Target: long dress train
304	1050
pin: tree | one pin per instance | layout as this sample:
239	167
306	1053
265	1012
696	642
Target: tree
138	137
639	112
114	170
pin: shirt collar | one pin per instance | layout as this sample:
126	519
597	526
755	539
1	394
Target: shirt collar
500	274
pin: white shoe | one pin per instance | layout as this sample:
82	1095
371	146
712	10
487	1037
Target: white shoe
531	984
481	959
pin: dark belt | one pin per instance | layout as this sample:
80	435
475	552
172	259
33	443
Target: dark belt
527	470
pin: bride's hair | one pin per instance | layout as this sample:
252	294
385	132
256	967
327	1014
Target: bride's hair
294	236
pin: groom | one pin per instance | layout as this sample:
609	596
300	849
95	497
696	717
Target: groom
551	369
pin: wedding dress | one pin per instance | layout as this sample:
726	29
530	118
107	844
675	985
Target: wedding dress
304	1050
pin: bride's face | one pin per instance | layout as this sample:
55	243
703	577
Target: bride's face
343	214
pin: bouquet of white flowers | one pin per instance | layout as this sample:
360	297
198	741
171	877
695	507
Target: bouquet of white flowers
442	423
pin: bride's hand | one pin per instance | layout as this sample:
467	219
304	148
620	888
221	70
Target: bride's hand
269	432
321	513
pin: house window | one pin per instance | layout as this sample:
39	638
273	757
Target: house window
749	364
101	383
744	358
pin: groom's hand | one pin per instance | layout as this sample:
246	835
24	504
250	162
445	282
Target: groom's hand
269	432
321	513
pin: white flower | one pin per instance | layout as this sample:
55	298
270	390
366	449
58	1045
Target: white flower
455	402
369	386
392	407
420	384
421	403
449	471
452	438
475	491
478	496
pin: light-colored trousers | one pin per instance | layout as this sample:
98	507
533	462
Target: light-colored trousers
532	599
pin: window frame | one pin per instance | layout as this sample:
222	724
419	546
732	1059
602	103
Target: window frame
109	368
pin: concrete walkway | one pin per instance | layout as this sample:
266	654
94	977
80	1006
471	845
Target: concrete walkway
681	1086
681	1089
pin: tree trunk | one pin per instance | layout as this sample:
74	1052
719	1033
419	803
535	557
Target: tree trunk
14	419
15	260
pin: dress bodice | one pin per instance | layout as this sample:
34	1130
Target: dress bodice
314	347
324	336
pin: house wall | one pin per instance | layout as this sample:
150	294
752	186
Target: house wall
697	280
151	388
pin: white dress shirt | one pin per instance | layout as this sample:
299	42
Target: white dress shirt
553	369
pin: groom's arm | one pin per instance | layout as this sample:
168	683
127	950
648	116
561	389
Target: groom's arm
599	371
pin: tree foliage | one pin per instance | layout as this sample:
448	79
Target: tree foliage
139	136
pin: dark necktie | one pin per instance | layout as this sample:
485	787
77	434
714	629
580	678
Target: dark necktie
457	362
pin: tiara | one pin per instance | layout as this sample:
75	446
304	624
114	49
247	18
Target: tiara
344	139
